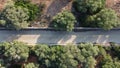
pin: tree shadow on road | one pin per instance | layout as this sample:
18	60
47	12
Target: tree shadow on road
33	37
54	37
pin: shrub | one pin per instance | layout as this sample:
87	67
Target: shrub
42	53
31	65
14	51
2	22
88	50
56	56
32	8
85	55
15	17
116	50
89	6
88	20
106	19
64	21
65	56
90	62
109	62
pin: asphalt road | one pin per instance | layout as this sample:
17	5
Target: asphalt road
33	37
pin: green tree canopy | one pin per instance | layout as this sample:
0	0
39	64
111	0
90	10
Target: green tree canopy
31	65
64	57
64	21
56	56
33	9
90	62
106	19
42	52
89	6
88	50
14	17
109	62
14	51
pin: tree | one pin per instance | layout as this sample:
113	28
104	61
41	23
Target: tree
2	22
14	51
32	8
88	50
56	56
106	19
109	62
89	6
3	47
31	65
42	53
115	50
15	17
88	20
62	57
64	21
90	62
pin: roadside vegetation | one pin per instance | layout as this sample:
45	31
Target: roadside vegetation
94	14
84	55
19	14
33	10
14	17
64	21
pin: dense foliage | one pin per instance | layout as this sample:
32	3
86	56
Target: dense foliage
18	14
89	6
64	21
15	51
87	55
32	8
31	65
106	19
94	14
14	17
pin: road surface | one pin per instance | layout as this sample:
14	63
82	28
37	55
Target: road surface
33	37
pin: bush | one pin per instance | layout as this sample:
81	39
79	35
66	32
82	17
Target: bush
31	65
15	54
42	53
106	19
94	14
32	8
116	50
89	6
90	62
109	62
2	22
64	56
56	56
64	21
88	50
15	17
14	51
88	20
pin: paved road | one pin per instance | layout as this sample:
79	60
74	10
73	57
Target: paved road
58	37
